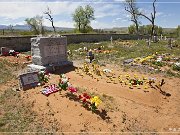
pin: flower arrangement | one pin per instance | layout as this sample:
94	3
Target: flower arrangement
72	90
64	82
43	77
95	101
84	98
90	102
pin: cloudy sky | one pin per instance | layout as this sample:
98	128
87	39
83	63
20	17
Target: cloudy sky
108	13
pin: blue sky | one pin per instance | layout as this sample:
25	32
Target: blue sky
108	13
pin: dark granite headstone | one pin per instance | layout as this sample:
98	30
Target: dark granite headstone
29	80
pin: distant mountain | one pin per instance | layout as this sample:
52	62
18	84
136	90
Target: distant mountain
115	29
3	27
26	27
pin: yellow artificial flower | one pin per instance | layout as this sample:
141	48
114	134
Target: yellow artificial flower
96	100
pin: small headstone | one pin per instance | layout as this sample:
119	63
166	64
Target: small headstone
148	42
128	61
170	43
5	51
165	38
111	46
161	38
29	80
155	39
111	40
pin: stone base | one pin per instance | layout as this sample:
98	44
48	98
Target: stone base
35	68
50	68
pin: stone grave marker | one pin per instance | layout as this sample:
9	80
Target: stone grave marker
49	52
170	42
155	39
111	40
161	38
148	41
29	80
5	51
111	46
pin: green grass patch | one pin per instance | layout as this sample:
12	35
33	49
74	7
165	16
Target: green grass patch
121	52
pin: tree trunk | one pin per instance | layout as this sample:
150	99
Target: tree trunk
152	30
137	28
79	24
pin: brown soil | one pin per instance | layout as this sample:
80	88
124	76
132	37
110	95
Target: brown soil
128	110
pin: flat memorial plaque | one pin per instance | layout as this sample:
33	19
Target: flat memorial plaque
29	80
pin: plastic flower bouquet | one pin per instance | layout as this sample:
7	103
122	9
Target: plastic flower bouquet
43	77
95	101
84	98
72	90
64	82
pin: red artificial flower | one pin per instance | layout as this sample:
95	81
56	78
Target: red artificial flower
84	94
84	100
80	97
28	57
88	97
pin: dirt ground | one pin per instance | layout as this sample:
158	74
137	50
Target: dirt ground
128	110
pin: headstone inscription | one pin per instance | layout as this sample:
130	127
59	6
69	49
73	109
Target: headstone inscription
29	80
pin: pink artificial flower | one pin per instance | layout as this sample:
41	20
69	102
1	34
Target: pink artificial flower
72	89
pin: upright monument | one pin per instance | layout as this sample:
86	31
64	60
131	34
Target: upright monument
48	52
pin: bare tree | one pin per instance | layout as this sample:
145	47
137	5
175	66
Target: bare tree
50	18
152	18
131	7
11	28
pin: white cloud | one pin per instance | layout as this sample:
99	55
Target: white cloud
29	9
100	25
105	10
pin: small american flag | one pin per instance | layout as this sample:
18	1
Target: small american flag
50	89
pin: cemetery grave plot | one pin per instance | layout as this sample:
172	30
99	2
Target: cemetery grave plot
122	105
119	101
156	58
158	62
